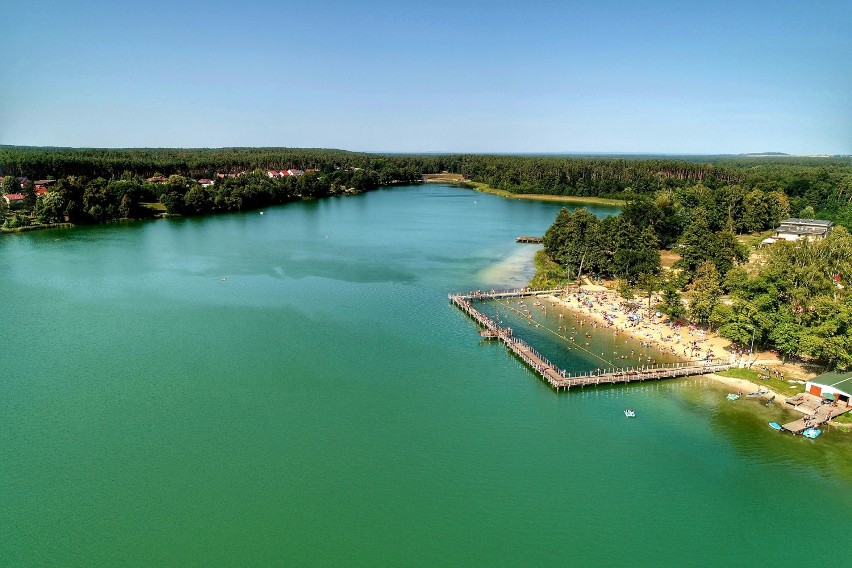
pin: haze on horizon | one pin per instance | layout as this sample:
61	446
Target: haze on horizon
481	76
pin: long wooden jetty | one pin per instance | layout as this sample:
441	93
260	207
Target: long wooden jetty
556	377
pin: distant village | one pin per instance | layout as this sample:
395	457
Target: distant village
17	200
205	182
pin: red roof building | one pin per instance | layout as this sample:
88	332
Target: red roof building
14	199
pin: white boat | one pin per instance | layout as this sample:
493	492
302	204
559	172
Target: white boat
630	413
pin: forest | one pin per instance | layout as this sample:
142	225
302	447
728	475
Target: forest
96	186
819	187
791	296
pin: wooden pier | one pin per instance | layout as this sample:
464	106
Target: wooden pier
556	377
821	416
529	239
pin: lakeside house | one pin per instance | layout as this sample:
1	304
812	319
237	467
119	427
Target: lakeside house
206	182
157	179
14	200
284	173
829	386
795	229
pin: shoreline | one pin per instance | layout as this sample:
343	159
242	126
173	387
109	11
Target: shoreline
608	308
485	188
162	214
748	386
677	341
459	180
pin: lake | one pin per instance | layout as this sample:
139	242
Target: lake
294	388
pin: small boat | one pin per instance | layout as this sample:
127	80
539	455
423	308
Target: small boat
732	396
630	413
775	425
811	432
758	393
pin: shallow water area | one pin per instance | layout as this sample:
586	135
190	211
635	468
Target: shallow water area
294	388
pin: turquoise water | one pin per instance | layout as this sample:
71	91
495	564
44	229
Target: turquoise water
293	388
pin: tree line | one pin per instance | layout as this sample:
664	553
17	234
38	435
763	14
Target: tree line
819	187
82	194
795	299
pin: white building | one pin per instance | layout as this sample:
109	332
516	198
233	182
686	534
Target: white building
795	229
831	386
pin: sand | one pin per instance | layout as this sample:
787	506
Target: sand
683	341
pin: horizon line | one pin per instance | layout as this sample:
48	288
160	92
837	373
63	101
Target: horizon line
768	153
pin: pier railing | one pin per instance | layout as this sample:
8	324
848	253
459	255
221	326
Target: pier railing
556	377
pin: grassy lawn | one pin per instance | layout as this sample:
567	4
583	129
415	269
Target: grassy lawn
158	207
444	178
668	258
754	239
778	385
548	274
844	419
485	188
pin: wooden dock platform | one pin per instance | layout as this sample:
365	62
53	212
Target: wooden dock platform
556	377
529	239
822	415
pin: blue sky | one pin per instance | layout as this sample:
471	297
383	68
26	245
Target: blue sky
495	76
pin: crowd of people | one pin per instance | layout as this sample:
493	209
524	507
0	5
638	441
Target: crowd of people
653	330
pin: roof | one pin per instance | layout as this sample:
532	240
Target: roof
834	378
804	227
811	222
15	196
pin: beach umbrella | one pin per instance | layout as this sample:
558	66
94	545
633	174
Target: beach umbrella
830	396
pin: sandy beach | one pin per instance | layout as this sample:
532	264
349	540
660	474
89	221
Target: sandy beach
685	342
